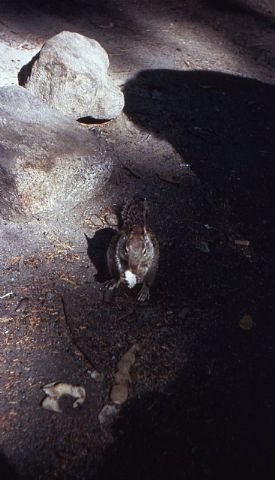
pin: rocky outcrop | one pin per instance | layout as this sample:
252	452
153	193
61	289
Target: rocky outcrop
70	74
48	162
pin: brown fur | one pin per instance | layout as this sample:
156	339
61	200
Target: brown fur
135	247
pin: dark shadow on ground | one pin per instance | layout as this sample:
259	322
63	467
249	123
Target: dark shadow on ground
216	419
223	126
242	22
66	8
96	251
7	472
220	426
231	6
249	8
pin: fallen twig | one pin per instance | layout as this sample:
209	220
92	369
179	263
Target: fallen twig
145	139
83	355
125	315
129	169
169	178
6	295
242	243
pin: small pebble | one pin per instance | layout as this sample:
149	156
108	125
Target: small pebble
203	247
107	414
246	322
111	219
98	377
22	305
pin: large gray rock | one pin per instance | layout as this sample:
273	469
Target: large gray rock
70	74
48	162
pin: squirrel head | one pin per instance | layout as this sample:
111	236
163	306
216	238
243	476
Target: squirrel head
137	248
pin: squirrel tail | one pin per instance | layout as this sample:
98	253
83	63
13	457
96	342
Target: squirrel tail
135	212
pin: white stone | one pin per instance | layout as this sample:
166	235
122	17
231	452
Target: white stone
107	414
70	74
48	162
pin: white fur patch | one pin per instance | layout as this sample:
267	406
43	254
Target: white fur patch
131	278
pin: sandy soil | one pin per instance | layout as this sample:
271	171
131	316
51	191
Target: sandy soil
197	139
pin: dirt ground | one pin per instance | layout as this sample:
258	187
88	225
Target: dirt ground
197	139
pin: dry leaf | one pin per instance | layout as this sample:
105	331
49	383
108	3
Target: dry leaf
5	319
170	178
242	243
54	391
119	393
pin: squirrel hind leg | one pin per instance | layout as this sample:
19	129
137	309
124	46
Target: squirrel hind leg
112	284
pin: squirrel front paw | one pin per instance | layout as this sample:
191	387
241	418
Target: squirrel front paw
144	293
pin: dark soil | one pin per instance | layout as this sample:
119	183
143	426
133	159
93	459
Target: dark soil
198	142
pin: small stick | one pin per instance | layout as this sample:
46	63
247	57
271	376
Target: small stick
6	295
125	315
84	356
242	243
136	175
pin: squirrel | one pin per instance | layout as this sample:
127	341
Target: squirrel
133	253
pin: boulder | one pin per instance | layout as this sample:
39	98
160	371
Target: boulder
48	162
70	74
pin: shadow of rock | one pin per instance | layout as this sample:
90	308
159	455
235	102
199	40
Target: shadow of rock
96	251
223	126
235	6
25	71
214	421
